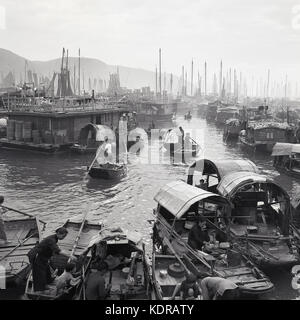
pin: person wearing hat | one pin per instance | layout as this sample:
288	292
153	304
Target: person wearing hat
198	235
216	288
3	237
40	255
188	289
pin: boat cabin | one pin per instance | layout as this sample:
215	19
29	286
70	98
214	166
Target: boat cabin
287	158
266	133
180	205
213	171
260	217
179	208
224	114
124	255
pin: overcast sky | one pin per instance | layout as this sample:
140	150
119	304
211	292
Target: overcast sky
247	34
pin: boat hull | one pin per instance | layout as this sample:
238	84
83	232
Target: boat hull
14	256
265	148
106	173
28	146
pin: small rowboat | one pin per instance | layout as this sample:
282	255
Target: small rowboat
22	235
108	171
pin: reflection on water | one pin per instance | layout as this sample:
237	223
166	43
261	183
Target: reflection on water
57	187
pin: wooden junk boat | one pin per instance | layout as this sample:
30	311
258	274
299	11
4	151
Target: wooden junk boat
232	128
260	219
22	233
226	113
128	268
262	135
287	158
179	207
80	233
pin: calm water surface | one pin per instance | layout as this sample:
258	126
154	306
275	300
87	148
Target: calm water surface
56	187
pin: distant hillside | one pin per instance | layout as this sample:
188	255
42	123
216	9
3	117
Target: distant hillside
92	68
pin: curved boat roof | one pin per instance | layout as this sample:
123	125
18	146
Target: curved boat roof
222	167
235	180
285	149
177	197
101	131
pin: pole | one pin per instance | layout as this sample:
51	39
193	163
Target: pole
192	71
182	80
78	236
220	80
160	72
79	72
205	79
156	81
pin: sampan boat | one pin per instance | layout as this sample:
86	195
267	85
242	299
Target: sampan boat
108	171
287	158
261	219
179	206
22	235
128	267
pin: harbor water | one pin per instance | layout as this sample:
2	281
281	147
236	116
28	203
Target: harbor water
56	187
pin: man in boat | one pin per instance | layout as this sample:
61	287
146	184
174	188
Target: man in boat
40	255
189	288
96	288
67	278
182	144
3	237
216	288
106	151
198	236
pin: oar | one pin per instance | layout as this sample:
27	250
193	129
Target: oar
78	236
11	209
17	246
98	152
168	243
